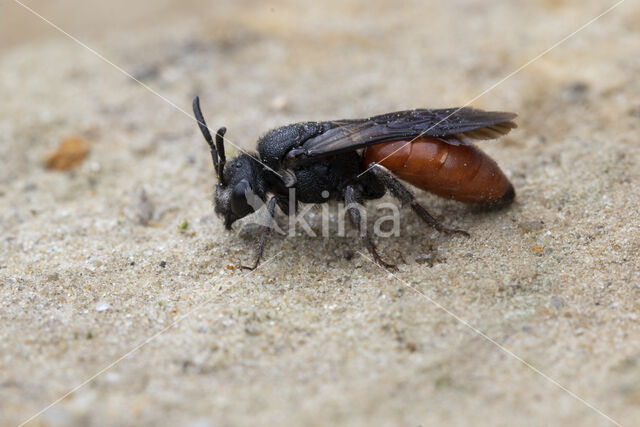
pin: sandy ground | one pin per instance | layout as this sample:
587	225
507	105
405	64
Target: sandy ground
310	337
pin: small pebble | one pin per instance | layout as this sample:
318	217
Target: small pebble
538	250
70	153
102	306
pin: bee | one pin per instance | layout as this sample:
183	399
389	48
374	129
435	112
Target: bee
361	159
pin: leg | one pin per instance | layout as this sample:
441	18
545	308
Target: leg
351	197
266	232
400	192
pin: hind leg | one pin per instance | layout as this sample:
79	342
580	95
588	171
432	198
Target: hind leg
401	192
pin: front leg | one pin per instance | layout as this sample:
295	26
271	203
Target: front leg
400	192
351	197
266	232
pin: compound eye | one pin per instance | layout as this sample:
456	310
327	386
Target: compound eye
239	205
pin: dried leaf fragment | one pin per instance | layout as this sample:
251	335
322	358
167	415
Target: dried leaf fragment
70	153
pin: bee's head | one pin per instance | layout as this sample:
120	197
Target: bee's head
240	189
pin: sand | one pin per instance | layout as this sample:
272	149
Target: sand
117	272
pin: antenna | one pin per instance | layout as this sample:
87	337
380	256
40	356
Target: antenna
217	156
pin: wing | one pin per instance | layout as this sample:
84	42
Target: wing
454	125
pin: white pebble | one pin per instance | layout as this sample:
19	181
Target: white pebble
103	306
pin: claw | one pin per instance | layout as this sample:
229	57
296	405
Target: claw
392	267
454	231
244	267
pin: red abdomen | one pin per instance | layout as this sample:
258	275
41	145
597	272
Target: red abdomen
459	172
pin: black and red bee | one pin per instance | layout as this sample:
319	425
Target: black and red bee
358	160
